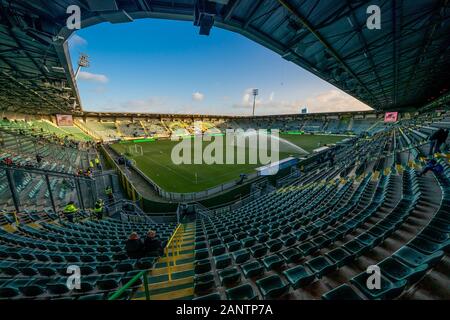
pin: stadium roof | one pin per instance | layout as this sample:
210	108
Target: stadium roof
404	65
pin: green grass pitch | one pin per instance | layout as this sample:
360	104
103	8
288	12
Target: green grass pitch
156	163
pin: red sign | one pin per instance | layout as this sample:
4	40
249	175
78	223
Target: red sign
391	117
64	120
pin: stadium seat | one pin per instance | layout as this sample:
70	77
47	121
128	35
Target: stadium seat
258	250
241	256
321	266
201	254
343	292
242	292
415	258
398	271
298	277
8	293
203	282
229	277
223	261
272	287
273	262
340	256
252	269
388	290
202	266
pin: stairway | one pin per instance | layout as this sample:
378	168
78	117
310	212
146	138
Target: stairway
181	287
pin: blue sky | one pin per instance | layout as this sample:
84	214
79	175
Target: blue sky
166	66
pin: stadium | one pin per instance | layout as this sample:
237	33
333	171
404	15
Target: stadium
145	205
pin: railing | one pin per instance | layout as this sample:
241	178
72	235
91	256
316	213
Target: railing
142	274
172	249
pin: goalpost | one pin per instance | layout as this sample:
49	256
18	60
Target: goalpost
136	150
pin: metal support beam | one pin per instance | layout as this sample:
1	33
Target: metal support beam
12	187
50	192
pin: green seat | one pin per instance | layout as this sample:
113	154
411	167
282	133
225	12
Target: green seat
218	250
321	266
397	271
204	282
415	258
252	269
202	266
248	242
288	240
426	246
200	245
201	254
298	277
241	256
272	287
273	262
369	240
222	261
388	290
233	246
230	276
274	245
355	247
307	248
343	292
242	292
258	250
340	256
291	255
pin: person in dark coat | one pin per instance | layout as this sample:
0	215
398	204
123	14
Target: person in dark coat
134	246
152	245
437	139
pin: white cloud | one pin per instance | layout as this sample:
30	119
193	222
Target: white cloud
330	101
198	96
87	76
75	41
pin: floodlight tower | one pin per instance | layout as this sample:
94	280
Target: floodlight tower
255	93
83	62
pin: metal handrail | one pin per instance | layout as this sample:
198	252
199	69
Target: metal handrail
143	274
175	245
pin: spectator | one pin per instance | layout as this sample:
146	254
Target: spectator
152	245
38	159
437	139
8	161
134	246
98	209
97	163
432	165
109	193
70	210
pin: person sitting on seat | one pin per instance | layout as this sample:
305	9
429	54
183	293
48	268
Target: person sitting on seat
134	246
98	209
432	165
152	245
70	210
